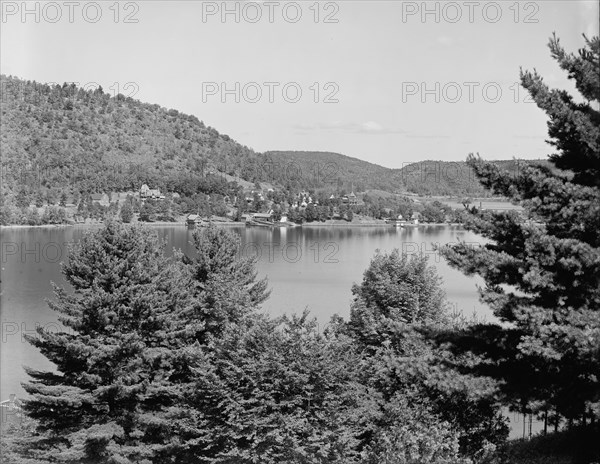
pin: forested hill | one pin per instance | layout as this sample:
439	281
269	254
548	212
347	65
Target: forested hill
452	178
323	169
66	139
94	142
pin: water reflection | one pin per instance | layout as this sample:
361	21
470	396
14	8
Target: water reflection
307	267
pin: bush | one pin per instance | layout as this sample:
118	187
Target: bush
54	215
412	434
126	212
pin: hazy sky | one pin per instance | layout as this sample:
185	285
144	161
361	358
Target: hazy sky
368	72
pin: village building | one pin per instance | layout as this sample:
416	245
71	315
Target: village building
100	198
193	220
152	194
352	200
261	217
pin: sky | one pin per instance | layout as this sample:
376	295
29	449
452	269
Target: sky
389	82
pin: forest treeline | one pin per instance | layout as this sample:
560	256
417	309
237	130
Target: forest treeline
64	139
87	141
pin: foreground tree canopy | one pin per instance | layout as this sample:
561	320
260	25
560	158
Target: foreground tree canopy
542	276
170	360
134	315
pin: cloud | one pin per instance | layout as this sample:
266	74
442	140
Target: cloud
368	127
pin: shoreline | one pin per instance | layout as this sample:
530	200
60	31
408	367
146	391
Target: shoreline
377	224
99	224
43	226
234	223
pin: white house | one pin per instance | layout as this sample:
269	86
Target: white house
154	194
144	191
100	198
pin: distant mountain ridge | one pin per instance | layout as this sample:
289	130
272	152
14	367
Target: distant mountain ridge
452	178
327	170
336	171
58	137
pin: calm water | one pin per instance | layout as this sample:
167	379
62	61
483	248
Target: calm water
310	267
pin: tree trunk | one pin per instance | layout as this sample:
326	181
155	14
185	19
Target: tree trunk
530	425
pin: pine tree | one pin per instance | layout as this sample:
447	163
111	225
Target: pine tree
222	296
224	284
542	274
115	361
574	127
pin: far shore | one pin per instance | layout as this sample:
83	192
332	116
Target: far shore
328	223
99	224
342	223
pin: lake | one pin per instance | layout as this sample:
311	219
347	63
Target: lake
307	267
